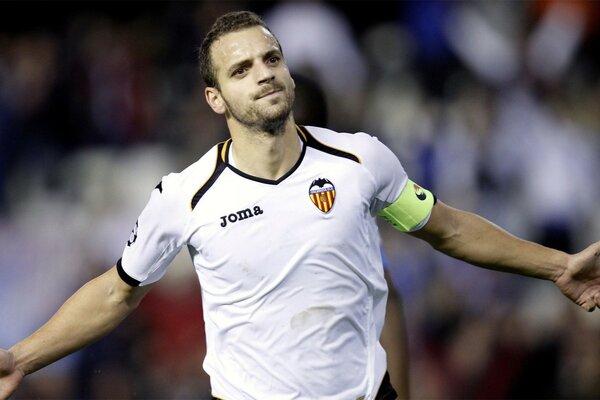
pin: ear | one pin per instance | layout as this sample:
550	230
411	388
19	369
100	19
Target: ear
215	100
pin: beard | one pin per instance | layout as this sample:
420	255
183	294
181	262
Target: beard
270	119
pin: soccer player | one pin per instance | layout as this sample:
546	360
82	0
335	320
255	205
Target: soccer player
280	224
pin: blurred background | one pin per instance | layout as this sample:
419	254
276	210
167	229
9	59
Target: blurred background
494	106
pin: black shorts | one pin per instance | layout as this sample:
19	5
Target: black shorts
385	392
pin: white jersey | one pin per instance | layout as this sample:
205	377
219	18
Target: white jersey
291	274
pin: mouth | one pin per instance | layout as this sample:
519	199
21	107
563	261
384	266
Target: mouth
268	93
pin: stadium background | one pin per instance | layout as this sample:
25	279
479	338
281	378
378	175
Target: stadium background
492	105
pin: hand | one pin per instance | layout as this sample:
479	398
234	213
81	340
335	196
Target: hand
581	279
10	376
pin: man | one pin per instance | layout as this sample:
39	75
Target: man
280	224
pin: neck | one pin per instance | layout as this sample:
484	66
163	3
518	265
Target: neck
265	155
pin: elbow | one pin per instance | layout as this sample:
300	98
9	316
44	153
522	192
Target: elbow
447	237
116	298
450	241
120	294
444	230
445	244
123	298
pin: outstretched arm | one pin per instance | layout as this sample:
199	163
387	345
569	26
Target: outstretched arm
473	239
92	312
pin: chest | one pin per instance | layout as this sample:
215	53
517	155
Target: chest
244	221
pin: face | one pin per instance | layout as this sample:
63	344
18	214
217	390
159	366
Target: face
255	86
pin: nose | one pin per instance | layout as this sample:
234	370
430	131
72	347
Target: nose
264	74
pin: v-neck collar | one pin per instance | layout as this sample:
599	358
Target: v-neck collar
225	151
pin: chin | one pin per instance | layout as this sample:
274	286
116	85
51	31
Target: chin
279	116
274	126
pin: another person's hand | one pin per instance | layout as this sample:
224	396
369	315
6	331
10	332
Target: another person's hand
580	281
10	376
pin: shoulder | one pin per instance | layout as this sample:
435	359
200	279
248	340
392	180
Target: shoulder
376	159
362	146
179	188
340	138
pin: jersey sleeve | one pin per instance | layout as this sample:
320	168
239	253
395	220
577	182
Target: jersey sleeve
385	168
156	237
400	201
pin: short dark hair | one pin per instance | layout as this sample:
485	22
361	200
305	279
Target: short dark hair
227	23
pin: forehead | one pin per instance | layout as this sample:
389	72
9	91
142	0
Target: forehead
241	45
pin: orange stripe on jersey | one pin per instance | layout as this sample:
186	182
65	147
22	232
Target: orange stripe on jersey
225	149
302	134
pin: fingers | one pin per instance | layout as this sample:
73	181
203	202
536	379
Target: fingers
588	305
597	299
591	303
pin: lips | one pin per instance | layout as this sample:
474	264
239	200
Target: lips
269	92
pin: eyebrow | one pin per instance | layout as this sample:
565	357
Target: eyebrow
245	62
274	52
237	65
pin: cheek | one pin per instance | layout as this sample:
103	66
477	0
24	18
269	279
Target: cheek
287	77
234	93
234	101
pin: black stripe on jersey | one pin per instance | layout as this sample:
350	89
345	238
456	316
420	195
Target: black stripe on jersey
314	143
125	277
219	167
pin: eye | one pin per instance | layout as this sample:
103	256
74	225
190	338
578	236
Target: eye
239	71
273	59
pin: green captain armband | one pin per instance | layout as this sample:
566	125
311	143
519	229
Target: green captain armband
411	210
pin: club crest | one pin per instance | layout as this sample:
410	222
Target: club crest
322	194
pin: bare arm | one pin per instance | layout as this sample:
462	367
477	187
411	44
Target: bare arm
395	342
473	239
92	312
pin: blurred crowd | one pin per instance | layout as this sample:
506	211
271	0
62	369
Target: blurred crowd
494	106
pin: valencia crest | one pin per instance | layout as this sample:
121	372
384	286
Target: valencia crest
322	194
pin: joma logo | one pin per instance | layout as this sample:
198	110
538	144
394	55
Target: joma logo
240	215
